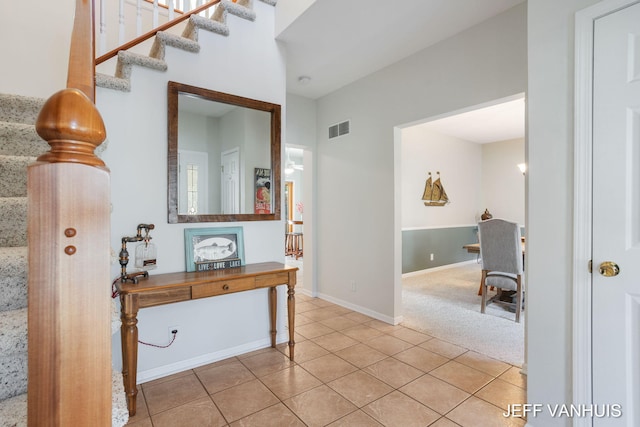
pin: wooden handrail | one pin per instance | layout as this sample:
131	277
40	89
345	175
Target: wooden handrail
153	32
81	73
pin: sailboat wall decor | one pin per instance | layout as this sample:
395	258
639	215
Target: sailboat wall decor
434	194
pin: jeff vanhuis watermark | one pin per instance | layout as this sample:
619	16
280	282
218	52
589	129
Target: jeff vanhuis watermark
526	410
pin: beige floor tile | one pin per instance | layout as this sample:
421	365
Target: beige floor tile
502	394
198	413
169	378
303	307
328	368
362	332
142	411
360	388
243	400
393	372
334	341
313	330
397	409
388	345
475	412
410	336
339	323
434	393
444	422
146	422
267	362
361	355
274	416
382	326
326	386
514	376
356	419
422	359
307	350
483	363
321	313
170	394
319	406
358	317
290	381
301	319
462	376
443	348
220	377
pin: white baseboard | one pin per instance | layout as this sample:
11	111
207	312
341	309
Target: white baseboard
441	267
183	365
362	310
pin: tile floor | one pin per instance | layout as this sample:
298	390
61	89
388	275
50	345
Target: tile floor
349	370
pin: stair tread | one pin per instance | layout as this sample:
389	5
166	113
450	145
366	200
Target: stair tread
19	108
20	139
13	221
13	278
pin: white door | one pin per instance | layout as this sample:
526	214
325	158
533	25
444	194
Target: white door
193	182
230	169
616	216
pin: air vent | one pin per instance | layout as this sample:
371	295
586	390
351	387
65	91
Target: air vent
339	129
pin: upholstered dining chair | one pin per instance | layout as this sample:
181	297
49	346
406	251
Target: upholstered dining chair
501	255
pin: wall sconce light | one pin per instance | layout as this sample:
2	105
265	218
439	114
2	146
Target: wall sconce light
522	167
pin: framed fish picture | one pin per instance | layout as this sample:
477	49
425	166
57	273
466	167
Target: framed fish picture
213	248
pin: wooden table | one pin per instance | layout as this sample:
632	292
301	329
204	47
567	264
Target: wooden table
182	286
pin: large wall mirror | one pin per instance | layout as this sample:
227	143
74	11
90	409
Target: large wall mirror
224	157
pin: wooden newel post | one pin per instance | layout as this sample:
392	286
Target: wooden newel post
69	293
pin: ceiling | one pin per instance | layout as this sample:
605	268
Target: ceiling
336	42
499	122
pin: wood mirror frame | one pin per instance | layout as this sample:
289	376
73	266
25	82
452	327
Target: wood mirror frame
174	90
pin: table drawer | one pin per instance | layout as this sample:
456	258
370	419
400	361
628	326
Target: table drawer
224	287
167	296
272	279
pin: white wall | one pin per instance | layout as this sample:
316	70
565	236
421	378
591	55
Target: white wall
35	51
357	238
288	10
502	182
248	63
550	191
460	165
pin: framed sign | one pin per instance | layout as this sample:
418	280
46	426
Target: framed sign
213	248
263	191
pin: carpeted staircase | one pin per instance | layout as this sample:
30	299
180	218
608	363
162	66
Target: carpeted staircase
19	146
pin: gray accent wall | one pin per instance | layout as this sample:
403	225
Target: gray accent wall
444	243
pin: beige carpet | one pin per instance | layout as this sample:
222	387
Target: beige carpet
445	304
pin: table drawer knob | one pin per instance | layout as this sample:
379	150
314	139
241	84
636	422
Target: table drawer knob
225	287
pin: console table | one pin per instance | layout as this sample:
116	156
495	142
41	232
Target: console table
169	288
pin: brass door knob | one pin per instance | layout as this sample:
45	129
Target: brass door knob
609	269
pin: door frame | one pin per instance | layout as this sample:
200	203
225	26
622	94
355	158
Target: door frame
583	200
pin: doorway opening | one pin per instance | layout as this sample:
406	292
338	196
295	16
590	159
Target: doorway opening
475	153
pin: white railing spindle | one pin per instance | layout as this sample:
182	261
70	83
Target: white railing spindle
121	29
139	18
155	13
102	42
171	8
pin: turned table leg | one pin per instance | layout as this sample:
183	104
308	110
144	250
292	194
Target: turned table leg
129	336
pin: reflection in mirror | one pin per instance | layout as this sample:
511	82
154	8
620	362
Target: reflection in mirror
223	158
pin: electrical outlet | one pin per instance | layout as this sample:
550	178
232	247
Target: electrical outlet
431	257
171	330
353	285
